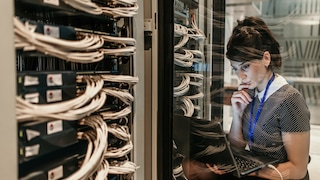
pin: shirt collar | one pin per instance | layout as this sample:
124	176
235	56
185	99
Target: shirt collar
277	83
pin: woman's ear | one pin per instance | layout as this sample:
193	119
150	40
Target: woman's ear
266	59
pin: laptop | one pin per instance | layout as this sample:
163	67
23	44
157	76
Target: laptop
205	141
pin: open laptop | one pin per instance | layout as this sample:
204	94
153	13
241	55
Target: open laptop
205	141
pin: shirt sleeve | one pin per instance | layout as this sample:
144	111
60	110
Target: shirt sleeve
295	115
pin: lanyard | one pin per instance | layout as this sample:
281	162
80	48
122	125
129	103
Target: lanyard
253	124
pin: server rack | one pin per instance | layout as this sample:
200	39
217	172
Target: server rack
204	20
12	171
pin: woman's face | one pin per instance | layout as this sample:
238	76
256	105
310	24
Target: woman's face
253	74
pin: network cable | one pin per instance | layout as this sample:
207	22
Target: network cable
85	5
111	115
69	110
120	132
183	87
28	40
187	107
121	11
98	141
126	167
119	152
123	95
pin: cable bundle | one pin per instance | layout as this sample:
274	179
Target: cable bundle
198	56
124	167
120	78
187	59
121	11
196	96
110	115
121	51
26	38
195	32
123	95
116	8
182	32
126	46
123	2
119	40
85	5
119	152
187	107
195	79
183	60
88	49
183	87
97	143
122	133
103	170
185	33
90	101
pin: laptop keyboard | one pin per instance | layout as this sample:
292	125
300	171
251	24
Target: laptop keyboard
245	164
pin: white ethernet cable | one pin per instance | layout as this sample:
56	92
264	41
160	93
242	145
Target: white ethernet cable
198	56
99	142
102	171
183	87
118	152
110	115
126	167
182	63
196	96
195	78
85	5
123	2
119	40
120	78
195	32
122	8
187	59
72	114
184	60
122	51
185	33
27	39
92	89
121	11
69	110
86	40
180	31
126	48
123	95
121	132
195	75
187	107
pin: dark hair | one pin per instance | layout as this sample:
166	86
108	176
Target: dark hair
250	39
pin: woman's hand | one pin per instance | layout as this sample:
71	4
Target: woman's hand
214	168
240	99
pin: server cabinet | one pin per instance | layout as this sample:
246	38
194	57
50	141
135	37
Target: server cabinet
76	81
195	79
190	69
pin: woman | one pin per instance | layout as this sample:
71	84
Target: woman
275	121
